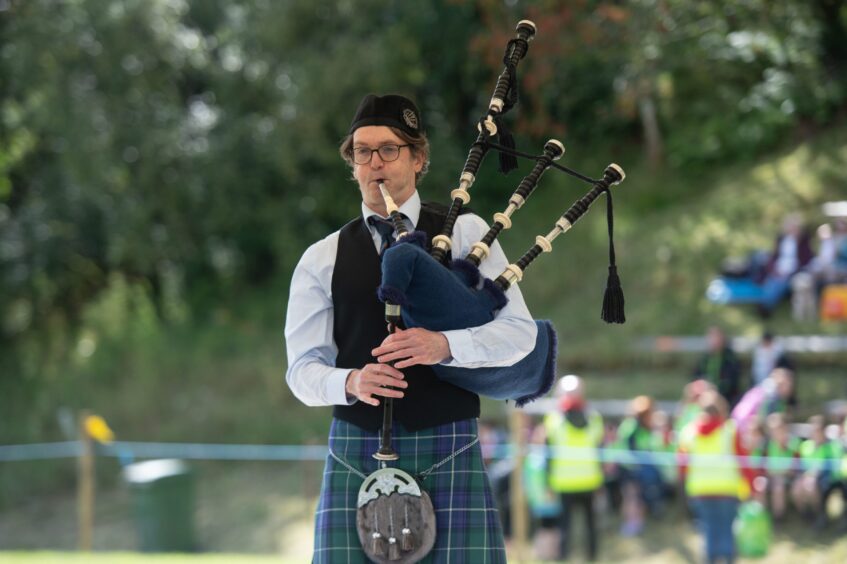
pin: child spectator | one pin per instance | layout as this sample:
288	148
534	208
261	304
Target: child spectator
640	478
820	459
664	442
771	396
781	462
754	441
689	406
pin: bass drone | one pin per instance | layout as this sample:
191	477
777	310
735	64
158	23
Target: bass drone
421	289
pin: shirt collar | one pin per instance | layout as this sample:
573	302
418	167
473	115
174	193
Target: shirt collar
411	208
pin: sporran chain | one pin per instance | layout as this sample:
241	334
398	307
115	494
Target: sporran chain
421	476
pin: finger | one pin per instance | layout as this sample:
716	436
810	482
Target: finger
387	347
367	398
388	393
382	381
396	355
386	370
411	361
392	341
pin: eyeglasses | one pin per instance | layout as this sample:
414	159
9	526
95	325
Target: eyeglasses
388	153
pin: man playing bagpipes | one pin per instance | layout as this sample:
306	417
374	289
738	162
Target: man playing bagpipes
339	352
379	313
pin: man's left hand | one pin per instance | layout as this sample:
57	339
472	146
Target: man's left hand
413	346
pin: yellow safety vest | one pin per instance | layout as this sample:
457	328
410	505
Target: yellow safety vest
576	468
712	466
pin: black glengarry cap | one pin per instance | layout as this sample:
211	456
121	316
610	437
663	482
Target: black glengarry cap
391	110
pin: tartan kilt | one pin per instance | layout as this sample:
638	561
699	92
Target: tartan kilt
467	522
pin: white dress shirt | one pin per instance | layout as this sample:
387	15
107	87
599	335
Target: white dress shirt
312	374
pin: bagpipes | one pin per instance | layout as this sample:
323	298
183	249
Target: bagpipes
421	289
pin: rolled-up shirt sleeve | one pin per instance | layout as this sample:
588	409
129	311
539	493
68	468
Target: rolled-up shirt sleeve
511	335
312	375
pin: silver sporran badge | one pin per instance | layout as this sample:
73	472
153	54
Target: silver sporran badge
410	118
395	518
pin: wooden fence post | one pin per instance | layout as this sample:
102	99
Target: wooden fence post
85	486
520	518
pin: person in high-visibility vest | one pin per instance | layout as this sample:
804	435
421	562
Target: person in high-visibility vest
575	434
712	461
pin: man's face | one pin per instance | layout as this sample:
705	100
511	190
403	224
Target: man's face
398	176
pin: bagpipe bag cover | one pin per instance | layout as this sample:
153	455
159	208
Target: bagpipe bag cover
443	299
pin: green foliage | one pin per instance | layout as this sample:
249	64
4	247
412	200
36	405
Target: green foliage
192	144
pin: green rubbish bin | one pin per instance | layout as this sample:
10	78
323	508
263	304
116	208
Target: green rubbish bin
163	497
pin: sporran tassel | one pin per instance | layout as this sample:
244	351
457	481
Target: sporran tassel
406	539
393	549
406	533
377	546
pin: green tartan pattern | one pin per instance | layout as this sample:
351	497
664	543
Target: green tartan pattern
467	523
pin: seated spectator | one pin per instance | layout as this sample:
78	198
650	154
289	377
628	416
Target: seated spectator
820	460
781	462
792	252
771	396
719	366
830	264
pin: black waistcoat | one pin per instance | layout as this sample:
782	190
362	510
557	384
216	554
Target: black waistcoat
359	327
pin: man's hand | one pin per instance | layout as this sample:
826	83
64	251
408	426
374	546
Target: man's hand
374	380
413	346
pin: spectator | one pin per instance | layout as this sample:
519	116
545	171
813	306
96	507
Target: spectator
640	478
544	505
781	462
771	396
689	406
792	252
820	459
720	367
767	355
830	264
712	464
575	434
664	443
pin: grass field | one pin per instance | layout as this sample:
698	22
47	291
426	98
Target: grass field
134	558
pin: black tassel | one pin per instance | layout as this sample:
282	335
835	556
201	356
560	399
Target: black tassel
613	299
508	162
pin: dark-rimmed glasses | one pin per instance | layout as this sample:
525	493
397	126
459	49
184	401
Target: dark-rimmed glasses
387	153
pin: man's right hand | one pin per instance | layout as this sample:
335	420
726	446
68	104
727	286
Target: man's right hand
375	380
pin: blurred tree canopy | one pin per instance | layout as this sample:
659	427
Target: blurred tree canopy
191	147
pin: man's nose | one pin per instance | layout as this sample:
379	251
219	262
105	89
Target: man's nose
376	160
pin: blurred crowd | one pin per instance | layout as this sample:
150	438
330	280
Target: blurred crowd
722	447
811	270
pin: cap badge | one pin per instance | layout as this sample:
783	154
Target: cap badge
410	118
